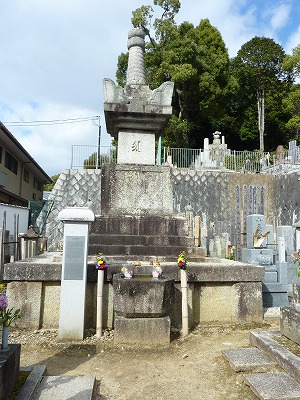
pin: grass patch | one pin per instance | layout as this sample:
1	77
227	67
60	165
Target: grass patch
23	375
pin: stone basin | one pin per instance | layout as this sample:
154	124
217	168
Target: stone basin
142	296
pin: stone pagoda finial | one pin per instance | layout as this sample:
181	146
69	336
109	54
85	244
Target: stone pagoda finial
136	47
136	115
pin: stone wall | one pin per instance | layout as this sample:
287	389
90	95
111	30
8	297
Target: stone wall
221	199
287	198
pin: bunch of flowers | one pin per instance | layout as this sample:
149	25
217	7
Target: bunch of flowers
296	260
157	271
182	261
7	316
126	271
101	264
232	253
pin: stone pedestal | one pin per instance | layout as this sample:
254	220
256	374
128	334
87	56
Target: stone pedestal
9	369
259	256
142	331
142	304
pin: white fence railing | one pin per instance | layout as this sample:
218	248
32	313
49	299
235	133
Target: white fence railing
211	159
232	160
93	157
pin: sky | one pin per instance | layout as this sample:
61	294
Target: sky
56	53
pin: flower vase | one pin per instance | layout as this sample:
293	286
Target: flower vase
4	345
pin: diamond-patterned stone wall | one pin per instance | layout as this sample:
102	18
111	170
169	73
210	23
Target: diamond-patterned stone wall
221	199
74	188
287	190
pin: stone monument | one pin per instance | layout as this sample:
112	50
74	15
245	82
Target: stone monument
262	249
136	115
74	272
257	233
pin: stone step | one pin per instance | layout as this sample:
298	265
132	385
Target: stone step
142	240
264	340
273	386
263	361
66	387
149	251
248	359
140	225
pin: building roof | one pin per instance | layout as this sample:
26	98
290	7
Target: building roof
16	148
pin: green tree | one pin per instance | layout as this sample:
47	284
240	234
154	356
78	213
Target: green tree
292	101
197	61
258	68
90	162
49	186
292	62
292	106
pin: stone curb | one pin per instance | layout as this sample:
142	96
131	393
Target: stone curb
286	359
32	382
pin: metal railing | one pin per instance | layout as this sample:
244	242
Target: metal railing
92	157
212	159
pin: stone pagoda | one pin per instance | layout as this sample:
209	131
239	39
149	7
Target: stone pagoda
136	115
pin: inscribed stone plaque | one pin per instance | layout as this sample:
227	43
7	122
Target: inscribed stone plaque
136	148
74	258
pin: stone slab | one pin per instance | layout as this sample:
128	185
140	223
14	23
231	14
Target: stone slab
9	369
31	384
248	359
136	148
253	222
273	386
290	323
142	331
66	387
270	276
265	341
29	293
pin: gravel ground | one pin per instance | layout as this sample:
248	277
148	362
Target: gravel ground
189	368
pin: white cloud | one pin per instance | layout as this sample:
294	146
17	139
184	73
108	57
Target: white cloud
293	41
280	16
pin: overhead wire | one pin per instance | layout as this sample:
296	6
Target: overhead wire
51	122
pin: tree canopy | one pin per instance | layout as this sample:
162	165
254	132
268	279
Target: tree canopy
238	97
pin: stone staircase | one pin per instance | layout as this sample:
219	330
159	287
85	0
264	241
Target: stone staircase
270	370
142	236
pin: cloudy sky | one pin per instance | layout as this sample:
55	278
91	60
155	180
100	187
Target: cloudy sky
55	54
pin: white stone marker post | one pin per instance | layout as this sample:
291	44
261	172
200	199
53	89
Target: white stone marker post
281	249
185	309
74	272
